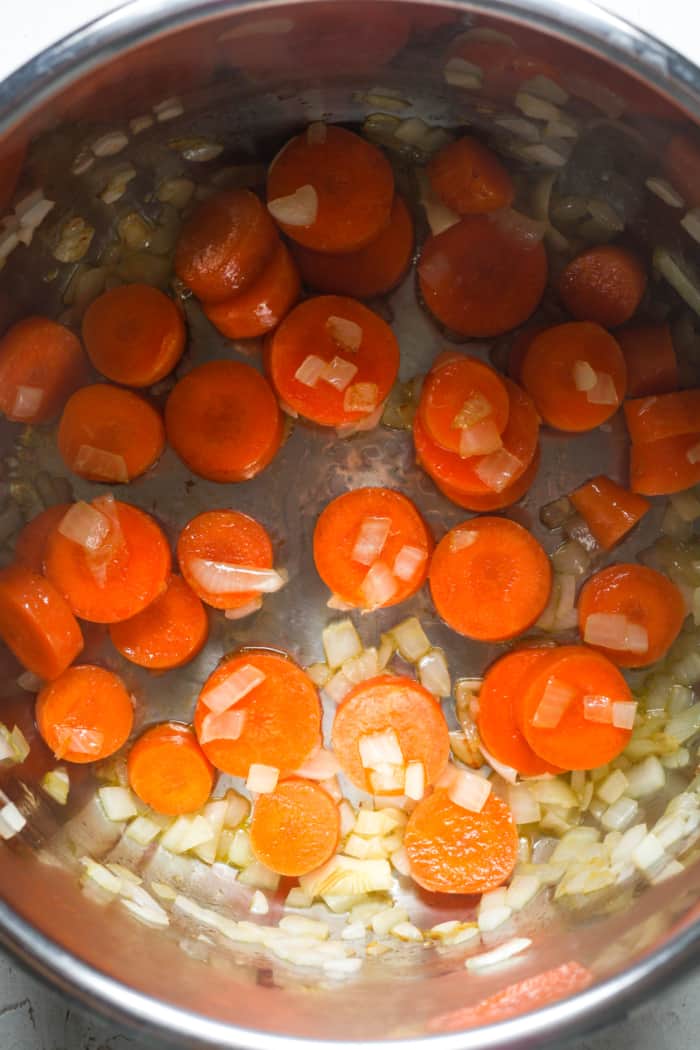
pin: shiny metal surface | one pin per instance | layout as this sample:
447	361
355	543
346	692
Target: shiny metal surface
210	995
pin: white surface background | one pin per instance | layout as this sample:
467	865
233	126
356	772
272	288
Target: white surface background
34	1019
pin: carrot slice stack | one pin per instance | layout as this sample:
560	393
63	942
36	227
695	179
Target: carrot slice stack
167	633
604	284
41	364
470	178
490	579
168	770
464	405
109	434
258	707
371	548
30	548
665	433
382	726
295	828
610	510
262	305
85	714
651	362
333	361
223	421
508	495
631	613
36	623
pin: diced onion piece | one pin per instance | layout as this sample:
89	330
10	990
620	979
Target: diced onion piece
220	577
604	392
411	640
621	815
243	610
535	107
637	639
319	765
75	738
259	904
28	400
362	667
498	469
473	411
507	772
348	876
341	642
479	439
387	778
344	332
646	777
261	778
556	698
298	209
19	744
624	713
684	725
339	373
379	585
469	790
234	687
400	860
542	87
518	226
521	891
361	397
585	377
361	426
498	954
523	804
98	874
663	189
310	370
434	674
107	466
118	803
337	687
378	749
347	818
460	73
370	541
597	709
461	538
408	562
693	454
648	853
614	631
225	725
414	783
85	526
56	784
143	830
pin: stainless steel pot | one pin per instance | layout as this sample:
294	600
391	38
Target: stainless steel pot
248	73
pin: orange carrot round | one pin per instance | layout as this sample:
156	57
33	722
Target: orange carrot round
85	715
371	547
124	573
660	468
225	245
167	633
223	421
494	500
604	284
650	359
36	623
168	770
134	334
281	716
452	850
462	393
609	509
390	704
366	272
295	828
470	178
490	579
561	357
333	361
30	548
349	185
481	278
228	537
41	364
263	304
574	742
645	598
109	434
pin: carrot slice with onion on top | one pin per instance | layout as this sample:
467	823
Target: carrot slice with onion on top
464	405
262	305
167	633
36	622
371	548
333	361
660	468
604	284
650	357
85	714
631	613
168	770
330	190
610	511
295	828
41	364
30	548
484	503
470	178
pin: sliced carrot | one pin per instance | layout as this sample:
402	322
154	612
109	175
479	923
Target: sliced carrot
487	476
665	416
134	334
519	348
609	509
84	715
390	704
228	537
281	717
681	163
366	272
490	579
604	284
109	434
480	277
549	373
348	181
575	742
453	850
225	245
497	721
295	828
30	548
494	500
459	393
262	305
128	570
41	364
469	178
650	358
366	578
36	623
223	421
357	347
645	597
167	633
660	468
168	770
